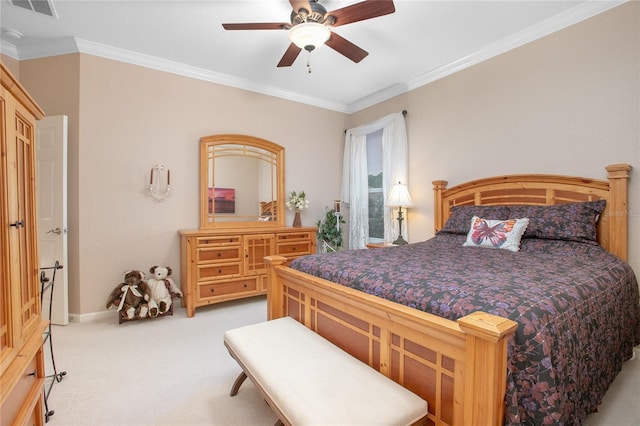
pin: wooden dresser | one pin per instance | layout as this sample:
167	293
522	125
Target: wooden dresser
217	265
21	326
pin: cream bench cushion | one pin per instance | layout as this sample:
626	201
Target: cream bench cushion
307	380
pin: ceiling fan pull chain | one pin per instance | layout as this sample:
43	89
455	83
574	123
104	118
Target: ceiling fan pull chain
308	62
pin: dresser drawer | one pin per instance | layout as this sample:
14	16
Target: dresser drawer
228	287
215	271
218	254
224	264
294	248
293	236
19	396
218	240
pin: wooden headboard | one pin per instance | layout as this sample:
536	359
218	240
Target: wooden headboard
538	189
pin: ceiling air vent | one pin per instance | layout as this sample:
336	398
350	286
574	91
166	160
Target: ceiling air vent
40	6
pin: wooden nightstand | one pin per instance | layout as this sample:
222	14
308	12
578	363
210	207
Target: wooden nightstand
379	245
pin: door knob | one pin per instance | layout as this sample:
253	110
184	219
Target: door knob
56	231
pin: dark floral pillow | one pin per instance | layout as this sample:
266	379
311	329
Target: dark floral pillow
460	218
569	222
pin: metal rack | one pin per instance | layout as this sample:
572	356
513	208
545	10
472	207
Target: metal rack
47	284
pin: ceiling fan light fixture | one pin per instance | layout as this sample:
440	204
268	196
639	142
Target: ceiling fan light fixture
309	35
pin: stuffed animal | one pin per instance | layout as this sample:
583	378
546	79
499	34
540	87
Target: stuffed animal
132	296
162	288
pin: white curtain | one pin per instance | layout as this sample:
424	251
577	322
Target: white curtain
355	180
354	171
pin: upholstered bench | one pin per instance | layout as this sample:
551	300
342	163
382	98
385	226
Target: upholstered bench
307	380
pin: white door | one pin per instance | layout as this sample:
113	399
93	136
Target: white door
51	189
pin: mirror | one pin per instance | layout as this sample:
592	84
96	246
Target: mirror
241	181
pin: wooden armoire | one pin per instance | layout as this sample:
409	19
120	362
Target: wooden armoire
21	325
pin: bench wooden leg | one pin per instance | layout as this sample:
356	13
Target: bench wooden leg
236	385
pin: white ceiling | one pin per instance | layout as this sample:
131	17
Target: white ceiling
421	42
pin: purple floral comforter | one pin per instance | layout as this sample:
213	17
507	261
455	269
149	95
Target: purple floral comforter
577	307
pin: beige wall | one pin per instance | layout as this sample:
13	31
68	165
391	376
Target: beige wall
127	118
566	104
12	65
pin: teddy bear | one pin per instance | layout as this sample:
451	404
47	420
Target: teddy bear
131	296
162	288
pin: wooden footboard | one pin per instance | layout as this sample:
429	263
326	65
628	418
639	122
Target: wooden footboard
459	368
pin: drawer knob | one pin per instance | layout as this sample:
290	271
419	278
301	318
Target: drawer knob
212	290
219	271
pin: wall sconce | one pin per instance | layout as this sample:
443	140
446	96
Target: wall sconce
159	186
399	197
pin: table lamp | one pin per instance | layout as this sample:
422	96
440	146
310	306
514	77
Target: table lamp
399	197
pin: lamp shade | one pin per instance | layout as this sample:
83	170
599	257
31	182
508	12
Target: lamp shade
399	196
309	35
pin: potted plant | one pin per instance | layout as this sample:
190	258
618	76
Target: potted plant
330	232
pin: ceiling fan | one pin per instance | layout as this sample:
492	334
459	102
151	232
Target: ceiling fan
310	27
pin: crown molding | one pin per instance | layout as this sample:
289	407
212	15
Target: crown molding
9	49
165	65
54	47
68	45
74	45
566	19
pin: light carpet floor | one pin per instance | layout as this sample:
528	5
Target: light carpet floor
172	370
176	371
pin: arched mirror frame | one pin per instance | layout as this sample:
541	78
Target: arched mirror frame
207	143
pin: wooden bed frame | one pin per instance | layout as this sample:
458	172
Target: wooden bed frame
458	367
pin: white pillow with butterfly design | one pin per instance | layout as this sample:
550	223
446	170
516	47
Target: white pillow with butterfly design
498	234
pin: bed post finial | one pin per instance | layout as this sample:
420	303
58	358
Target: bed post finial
618	210
439	213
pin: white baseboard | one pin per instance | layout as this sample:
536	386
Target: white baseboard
93	316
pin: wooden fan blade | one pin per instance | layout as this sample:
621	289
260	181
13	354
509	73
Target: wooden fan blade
360	11
289	56
296	5
258	26
346	48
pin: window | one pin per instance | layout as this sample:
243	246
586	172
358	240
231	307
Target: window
376	196
375	156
